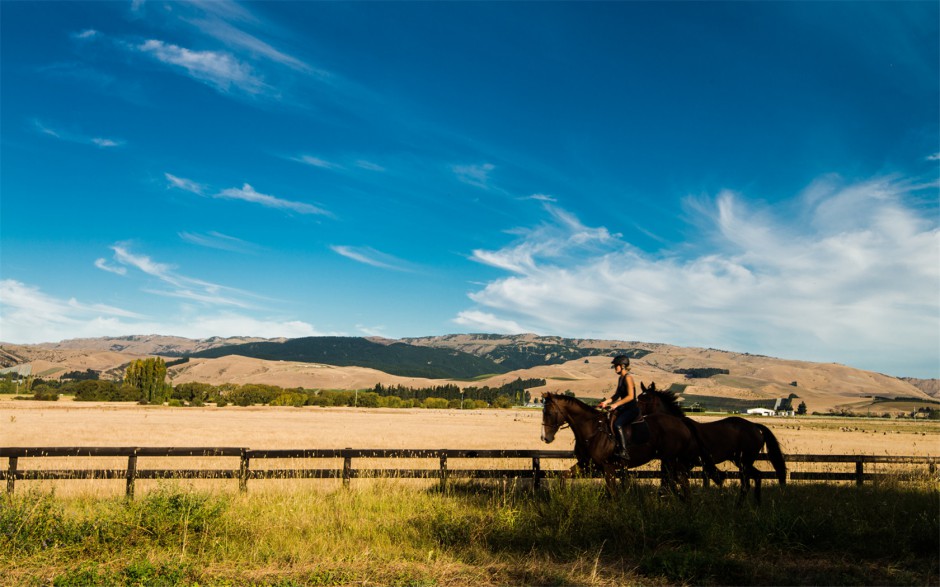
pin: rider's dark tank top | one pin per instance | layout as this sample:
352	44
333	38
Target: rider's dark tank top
622	393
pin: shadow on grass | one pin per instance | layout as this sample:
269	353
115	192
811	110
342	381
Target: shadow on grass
800	535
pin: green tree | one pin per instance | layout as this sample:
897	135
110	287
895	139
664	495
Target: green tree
502	402
149	376
801	409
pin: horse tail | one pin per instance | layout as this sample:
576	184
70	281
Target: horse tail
773	452
708	464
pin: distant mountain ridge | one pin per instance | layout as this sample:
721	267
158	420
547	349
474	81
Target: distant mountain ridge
581	366
151	344
524	351
428	357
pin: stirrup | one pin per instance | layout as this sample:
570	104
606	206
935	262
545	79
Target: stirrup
622	453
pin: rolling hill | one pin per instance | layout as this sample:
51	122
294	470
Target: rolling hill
578	365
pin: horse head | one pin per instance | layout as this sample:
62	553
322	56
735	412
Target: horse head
553	417
654	401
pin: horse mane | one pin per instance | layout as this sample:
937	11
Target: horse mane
568	399
668	398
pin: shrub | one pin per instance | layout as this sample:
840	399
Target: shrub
251	394
390	401
290	399
166	515
194	391
44	393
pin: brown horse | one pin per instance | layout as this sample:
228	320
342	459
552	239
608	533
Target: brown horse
730	439
671	440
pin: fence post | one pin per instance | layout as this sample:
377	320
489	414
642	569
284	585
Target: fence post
131	474
347	468
859	472
443	470
536	472
243	471
11	475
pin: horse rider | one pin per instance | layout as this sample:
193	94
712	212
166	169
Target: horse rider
623	403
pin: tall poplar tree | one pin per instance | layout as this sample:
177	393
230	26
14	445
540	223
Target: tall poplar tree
149	376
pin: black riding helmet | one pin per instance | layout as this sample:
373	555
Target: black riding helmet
620	360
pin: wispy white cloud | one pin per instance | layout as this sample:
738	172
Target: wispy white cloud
85	35
370	256
934	157
217	240
227	10
73	137
838	274
221	70
238	39
316	162
248	194
562	237
541	198
181	286
368	165
477	321
103	265
30	316
103	142
371	330
475	175
185	184
347	166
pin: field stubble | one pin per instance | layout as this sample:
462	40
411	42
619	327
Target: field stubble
408	532
68	423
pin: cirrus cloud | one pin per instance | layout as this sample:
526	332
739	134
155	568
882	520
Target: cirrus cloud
216	68
31	316
841	273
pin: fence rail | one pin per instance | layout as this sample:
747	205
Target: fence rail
346	472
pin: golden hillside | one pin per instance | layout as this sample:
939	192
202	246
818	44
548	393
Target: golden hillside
821	386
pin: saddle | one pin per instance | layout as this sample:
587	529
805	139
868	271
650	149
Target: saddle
639	429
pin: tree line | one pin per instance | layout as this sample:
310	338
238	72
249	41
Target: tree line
515	391
145	382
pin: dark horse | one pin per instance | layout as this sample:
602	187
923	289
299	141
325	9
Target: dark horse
672	440
730	439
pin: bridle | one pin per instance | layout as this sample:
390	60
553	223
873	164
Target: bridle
554	427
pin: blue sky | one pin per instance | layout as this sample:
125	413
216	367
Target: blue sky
757	177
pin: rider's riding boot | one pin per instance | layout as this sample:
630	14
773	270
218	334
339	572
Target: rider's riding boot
623	437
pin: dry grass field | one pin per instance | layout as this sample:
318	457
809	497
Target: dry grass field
288	532
70	423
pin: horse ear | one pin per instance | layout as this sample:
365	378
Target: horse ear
545	395
643	386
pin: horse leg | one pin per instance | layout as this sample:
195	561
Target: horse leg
683	474
674	479
755	474
745	481
569	474
610	478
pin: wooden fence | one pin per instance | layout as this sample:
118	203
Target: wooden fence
443	471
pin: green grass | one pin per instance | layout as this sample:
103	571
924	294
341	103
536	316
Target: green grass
384	532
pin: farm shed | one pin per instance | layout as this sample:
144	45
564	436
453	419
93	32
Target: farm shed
761	412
